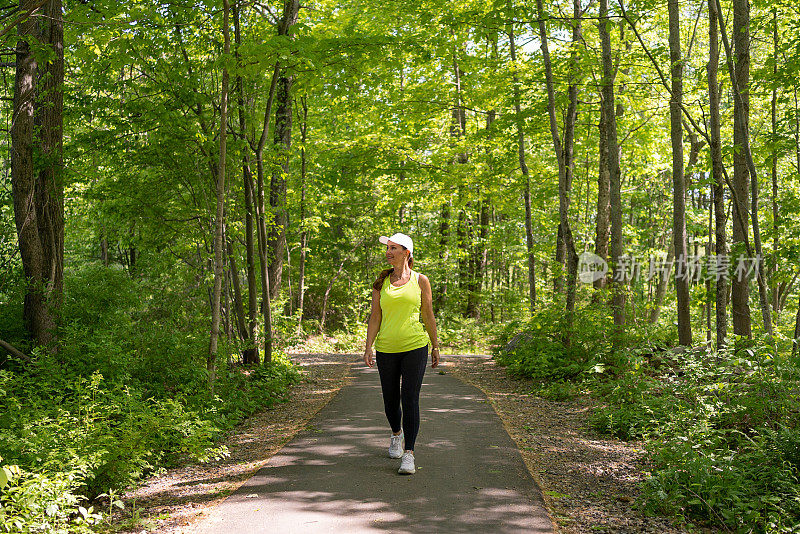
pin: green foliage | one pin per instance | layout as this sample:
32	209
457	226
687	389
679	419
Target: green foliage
722	430
722	434
461	335
123	398
536	349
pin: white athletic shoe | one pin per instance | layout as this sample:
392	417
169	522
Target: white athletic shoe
407	464
396	445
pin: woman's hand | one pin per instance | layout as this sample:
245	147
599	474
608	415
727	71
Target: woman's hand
435	358
368	356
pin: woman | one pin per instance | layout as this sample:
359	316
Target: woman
401	343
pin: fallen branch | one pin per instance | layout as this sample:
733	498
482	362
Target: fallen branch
11	349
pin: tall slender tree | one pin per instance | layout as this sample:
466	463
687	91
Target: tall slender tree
250	354
282	143
220	212
564	151
678	184
36	164
718	180
523	166
614	173
301	276
740	286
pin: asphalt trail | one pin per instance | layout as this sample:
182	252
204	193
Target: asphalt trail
336	476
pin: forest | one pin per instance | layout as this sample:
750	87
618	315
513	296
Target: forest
604	194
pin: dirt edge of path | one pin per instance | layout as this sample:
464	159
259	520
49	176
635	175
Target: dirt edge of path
457	368
175	501
590	483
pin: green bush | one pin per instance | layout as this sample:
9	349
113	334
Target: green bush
125	395
721	432
752	486
536	349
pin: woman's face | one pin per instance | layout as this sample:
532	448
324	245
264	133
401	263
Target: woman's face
395	254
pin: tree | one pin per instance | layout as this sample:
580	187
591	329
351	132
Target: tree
220	213
740	288
614	173
250	354
301	276
718	183
283	143
678	185
564	152
37	190
523	166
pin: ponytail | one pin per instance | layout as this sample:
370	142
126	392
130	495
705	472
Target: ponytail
378	284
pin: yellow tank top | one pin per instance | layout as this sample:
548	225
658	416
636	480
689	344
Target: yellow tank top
400	327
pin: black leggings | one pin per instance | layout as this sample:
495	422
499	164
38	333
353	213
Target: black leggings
409	365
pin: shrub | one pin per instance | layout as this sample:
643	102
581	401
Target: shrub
125	395
538	350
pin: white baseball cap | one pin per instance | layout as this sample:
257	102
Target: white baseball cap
400	239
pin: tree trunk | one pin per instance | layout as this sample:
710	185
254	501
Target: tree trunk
559	265
238	305
774	167
290	9
48	116
250	355
614	173
709	248
104	251
301	283
266	307
276	238
602	226
796	332
482	254
678	185
38	310
14	351
718	187
523	165
444	234
464	238
740	289
218	245
741	103
661	288
569	166
564	154
529	244
277	189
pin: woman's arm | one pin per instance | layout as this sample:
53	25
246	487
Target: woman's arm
428	318
373	325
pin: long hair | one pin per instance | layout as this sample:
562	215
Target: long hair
378	284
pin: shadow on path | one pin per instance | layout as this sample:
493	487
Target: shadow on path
336	476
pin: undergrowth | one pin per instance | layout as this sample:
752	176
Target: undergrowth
124	397
721	429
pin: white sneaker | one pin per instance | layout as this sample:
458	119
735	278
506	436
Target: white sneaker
407	464
396	445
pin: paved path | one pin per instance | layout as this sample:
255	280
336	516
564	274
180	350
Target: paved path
336	476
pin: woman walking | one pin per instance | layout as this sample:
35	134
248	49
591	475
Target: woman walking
401	343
